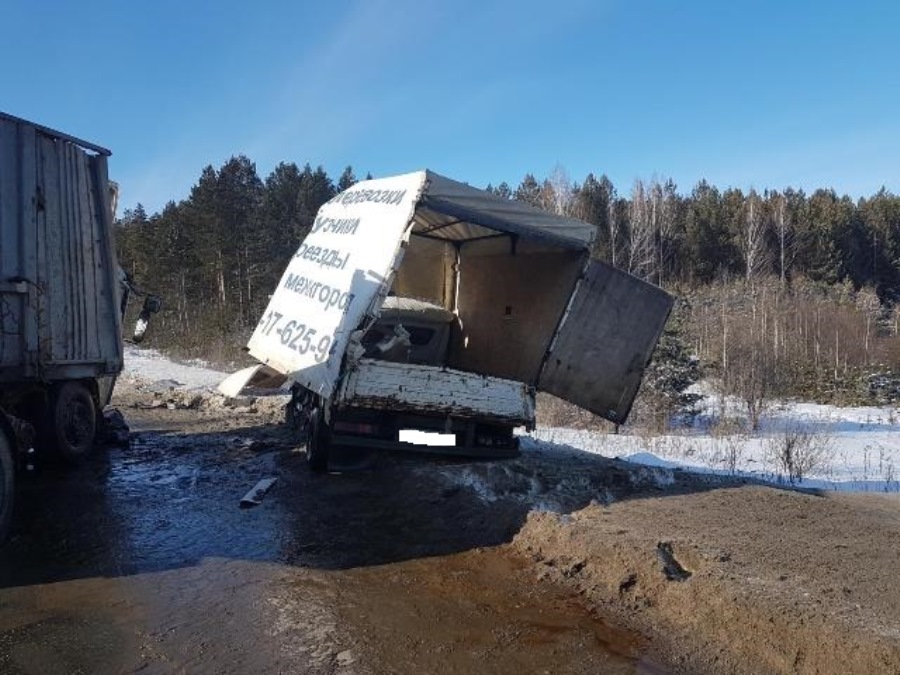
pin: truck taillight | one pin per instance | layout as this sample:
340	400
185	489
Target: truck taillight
358	428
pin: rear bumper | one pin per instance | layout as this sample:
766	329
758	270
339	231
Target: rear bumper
379	429
445	450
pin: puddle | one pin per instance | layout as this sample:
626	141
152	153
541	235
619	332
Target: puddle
481	611
146	547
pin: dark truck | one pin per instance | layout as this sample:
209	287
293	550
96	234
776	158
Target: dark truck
62	298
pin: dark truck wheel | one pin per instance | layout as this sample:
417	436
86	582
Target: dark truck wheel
73	422
318	441
7	485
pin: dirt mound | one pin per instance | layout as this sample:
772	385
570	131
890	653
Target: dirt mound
743	580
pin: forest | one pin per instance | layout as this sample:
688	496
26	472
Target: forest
780	293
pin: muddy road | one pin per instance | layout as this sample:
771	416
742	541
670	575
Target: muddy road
142	561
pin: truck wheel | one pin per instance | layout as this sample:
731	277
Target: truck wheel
7	478
318	442
73	422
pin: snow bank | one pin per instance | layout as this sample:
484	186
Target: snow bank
855	449
148	365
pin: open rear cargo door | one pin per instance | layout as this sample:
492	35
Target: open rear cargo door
604	341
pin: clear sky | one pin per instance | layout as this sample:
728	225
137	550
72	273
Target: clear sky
762	93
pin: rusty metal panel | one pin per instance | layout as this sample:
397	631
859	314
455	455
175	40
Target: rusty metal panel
55	242
17	329
605	341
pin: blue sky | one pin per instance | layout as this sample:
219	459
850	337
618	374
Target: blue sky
763	94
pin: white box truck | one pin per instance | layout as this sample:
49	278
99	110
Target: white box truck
418	302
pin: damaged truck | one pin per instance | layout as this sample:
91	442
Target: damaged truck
62	298
420	303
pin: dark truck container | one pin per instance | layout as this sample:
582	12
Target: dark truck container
62	296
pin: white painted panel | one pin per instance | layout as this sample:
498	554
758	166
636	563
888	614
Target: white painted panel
427	389
334	280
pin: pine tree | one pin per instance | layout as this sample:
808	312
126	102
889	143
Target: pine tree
279	225
529	191
316	188
224	206
503	190
347	179
664	396
708	244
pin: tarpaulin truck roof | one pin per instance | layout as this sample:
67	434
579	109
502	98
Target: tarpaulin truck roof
530	303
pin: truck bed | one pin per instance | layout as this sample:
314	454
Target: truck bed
413	388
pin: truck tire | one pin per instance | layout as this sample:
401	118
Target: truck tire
73	422
7	483
318	442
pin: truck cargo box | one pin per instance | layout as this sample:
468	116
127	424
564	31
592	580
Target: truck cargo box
529	304
59	300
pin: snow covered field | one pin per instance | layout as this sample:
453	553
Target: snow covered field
855	449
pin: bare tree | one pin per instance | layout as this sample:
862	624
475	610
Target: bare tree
870	307
753	241
641	233
662	218
785	235
654	207
561	194
613	222
749	373
799	452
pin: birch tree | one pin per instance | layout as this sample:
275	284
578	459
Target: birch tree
614	223
784	235
753	241
662	222
870	307
559	194
641	233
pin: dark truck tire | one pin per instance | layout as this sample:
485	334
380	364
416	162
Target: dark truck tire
318	441
72	427
7	482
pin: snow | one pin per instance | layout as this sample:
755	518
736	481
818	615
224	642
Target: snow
152	367
855	448
852	449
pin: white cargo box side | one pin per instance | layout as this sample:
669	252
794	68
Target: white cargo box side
339	275
406	387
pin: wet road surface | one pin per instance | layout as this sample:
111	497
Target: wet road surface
142	561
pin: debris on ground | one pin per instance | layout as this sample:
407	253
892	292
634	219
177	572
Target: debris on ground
255	496
115	429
